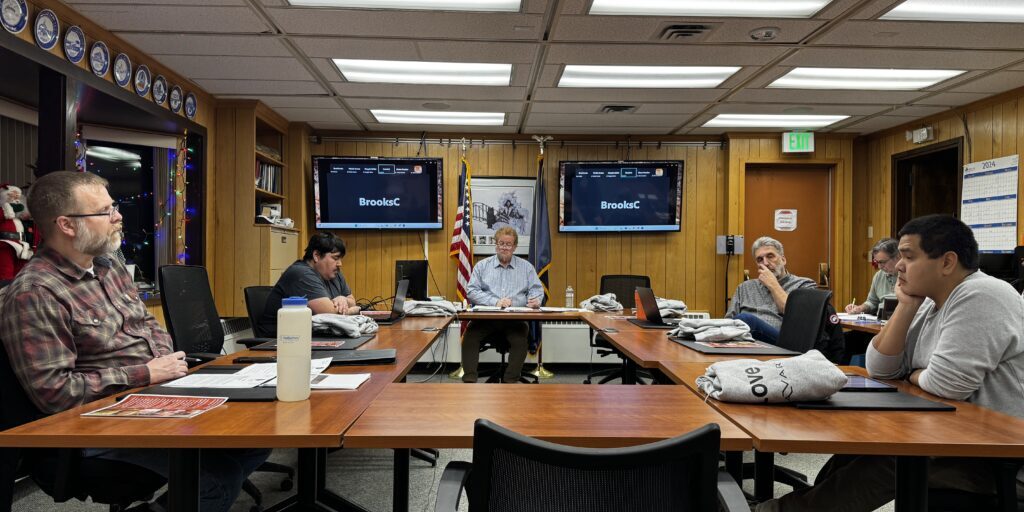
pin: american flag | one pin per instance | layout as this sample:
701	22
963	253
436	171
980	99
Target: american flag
462	234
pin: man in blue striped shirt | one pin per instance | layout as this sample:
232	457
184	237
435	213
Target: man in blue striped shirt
501	280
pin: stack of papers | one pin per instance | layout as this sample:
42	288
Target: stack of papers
857	317
265	374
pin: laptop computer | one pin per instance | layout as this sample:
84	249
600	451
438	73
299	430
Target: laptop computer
398	307
647	314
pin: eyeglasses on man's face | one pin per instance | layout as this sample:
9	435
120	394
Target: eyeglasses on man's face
108	213
506	245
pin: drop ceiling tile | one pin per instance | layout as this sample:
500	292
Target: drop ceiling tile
259	87
417	104
197	44
648	29
805	96
798	109
176	19
298	101
661	54
876	123
237	68
901	58
894	34
564	107
332	115
994	83
408	24
338	47
952	99
610	130
334	126
621	120
626	95
439	128
918	110
429	92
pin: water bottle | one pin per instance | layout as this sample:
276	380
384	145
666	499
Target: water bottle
570	297
294	330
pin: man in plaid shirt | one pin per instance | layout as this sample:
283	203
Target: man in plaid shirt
75	329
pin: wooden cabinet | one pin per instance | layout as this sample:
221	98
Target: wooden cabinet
250	172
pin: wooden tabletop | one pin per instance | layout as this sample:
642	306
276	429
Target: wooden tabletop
418	323
317	422
442	415
532	315
868	326
649	347
970	431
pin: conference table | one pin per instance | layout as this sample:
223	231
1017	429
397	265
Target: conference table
910	436
312	426
407	416
867	326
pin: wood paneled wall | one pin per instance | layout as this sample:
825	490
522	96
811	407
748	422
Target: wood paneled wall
681	265
992	128
834	150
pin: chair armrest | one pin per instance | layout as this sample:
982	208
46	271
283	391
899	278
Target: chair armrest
730	496
250	342
449	489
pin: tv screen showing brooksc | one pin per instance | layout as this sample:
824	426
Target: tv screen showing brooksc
378	193
620	196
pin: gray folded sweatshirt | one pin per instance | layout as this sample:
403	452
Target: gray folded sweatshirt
802	378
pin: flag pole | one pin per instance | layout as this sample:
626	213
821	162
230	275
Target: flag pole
540	372
460	371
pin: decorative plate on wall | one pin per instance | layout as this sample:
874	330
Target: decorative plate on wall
175	99
122	70
191	105
99	58
47	29
143	79
160	90
74	44
14	15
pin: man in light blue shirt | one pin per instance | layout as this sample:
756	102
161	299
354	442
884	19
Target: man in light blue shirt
501	280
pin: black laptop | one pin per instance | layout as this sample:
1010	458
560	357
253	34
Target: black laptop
648	315
398	307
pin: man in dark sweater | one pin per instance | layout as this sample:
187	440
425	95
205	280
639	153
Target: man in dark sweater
761	302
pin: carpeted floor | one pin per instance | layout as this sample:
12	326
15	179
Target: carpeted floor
364	476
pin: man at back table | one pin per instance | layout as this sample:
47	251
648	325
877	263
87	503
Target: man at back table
317	277
501	280
75	329
958	334
760	303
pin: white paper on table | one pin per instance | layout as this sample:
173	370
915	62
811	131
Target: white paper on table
485	308
336	381
520	309
215	380
553	309
316	367
852	317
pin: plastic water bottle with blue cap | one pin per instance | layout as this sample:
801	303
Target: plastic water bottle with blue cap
294	333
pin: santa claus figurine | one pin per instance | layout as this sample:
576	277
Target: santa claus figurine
15	239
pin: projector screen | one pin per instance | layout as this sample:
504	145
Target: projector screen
378	193
620	196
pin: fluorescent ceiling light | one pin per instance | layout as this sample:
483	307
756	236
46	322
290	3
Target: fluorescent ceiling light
419	72
729	8
863	78
771	121
416	5
671	77
111	154
431	117
992	11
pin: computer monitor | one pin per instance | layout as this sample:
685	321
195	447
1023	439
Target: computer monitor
415	271
1001	265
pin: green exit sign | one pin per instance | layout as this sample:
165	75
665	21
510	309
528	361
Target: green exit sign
798	142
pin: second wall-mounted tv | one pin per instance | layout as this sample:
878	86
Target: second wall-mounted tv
378	193
620	196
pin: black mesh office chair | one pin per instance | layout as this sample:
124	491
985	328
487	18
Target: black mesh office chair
498	343
195	329
255	303
63	473
624	287
803	324
512	472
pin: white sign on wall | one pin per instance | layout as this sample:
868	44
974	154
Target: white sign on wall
785	220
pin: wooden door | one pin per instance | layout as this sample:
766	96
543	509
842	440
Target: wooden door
801	198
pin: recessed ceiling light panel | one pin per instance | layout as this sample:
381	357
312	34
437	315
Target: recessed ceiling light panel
433	117
416	5
772	121
718	8
863	78
990	11
665	77
419	72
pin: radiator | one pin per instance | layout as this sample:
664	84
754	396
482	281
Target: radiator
564	342
235	329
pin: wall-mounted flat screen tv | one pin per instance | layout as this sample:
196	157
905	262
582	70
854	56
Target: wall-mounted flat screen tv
378	193
620	196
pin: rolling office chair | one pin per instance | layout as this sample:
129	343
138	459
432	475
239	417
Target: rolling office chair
624	287
803	324
511	471
63	473
498	343
194	326
255	302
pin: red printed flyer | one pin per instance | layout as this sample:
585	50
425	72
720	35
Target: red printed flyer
159	406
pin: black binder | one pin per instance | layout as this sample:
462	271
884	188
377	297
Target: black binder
350	343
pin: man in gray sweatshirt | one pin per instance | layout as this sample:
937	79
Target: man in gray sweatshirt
957	333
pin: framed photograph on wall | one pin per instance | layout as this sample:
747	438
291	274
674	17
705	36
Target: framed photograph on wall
500	202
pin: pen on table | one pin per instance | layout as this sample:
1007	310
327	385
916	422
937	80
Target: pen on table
191	359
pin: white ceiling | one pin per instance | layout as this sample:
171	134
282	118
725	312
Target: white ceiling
281	55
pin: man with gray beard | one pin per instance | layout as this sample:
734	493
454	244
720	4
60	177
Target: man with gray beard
75	329
761	302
